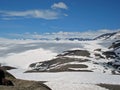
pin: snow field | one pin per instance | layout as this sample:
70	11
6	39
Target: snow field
70	80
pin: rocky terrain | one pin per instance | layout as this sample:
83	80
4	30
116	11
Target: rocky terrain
110	86
20	84
25	85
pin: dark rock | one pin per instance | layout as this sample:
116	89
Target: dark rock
76	53
115	45
110	86
98	49
110	54
57	64
99	56
8	67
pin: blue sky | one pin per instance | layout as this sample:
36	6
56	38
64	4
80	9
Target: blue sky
21	16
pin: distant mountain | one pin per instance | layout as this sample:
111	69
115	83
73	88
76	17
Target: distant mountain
114	35
73	39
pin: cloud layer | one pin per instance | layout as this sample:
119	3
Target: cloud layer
86	35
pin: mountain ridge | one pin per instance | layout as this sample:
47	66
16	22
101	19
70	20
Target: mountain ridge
106	36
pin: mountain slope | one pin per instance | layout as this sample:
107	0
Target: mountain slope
96	60
111	36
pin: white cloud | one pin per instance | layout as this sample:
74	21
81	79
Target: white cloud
65	14
59	5
44	14
48	14
105	31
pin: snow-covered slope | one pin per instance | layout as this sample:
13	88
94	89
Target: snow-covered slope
109	36
92	58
